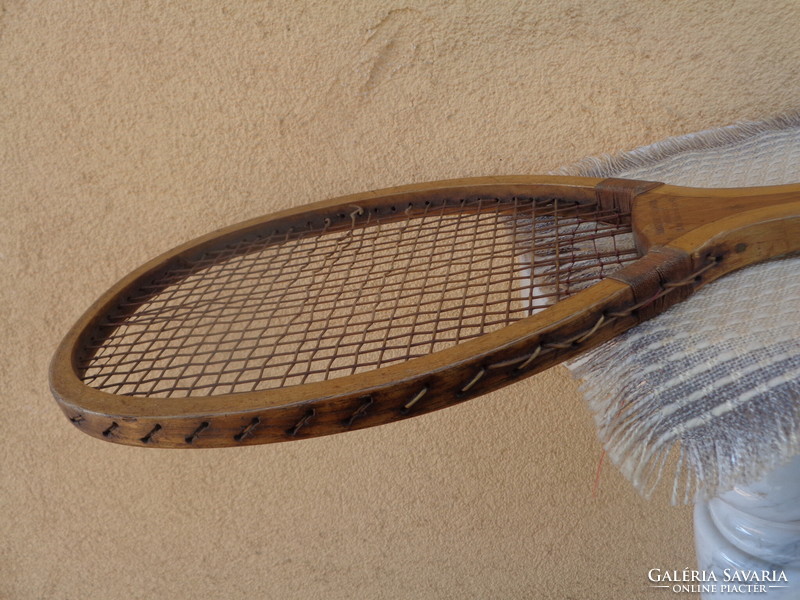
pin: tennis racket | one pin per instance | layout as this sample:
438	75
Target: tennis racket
380	306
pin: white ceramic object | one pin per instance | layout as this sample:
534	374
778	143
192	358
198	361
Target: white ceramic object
753	529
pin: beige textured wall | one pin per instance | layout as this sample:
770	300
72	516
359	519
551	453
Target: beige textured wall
127	127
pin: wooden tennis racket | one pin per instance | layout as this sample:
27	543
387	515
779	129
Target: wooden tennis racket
376	307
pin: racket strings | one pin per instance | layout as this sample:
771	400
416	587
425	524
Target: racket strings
305	305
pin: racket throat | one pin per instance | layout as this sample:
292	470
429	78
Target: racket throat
664	213
616	196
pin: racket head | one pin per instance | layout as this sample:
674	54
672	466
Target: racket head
123	409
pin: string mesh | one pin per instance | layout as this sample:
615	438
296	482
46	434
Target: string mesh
293	307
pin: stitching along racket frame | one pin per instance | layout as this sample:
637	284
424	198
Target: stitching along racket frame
687	237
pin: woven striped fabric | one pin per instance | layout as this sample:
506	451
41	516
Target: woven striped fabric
711	387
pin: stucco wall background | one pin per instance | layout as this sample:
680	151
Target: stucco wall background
126	128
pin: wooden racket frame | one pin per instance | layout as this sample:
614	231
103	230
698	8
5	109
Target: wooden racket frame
688	238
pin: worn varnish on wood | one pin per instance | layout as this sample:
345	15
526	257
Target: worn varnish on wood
506	276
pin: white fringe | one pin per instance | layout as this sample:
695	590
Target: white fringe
646	156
